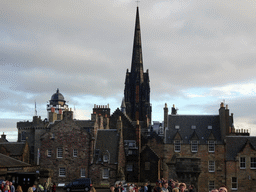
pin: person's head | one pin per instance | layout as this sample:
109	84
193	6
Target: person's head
182	186
165	185
215	190
10	183
177	185
30	189
223	189
112	188
191	186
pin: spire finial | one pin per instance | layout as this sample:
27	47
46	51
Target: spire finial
137	3
35	109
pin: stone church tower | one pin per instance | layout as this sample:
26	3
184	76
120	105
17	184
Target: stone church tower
137	89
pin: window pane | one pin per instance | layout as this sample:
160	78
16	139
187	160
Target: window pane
59	152
194	146
211	146
62	171
177	146
105	173
234	183
211	166
253	162
82	172
49	152
211	185
75	153
242	162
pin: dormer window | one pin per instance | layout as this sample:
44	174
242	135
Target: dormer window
177	127
211	146
177	146
193	127
194	146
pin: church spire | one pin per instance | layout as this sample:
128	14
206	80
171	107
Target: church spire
137	89
137	62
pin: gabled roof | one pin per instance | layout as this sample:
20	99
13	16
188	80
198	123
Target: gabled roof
128	126
147	149
177	136
199	131
194	136
236	144
15	148
107	142
6	161
211	136
3	139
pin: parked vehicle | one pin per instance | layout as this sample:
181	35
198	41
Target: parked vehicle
82	184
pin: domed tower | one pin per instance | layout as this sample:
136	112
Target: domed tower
56	107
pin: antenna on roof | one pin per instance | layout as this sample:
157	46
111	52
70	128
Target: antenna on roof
35	109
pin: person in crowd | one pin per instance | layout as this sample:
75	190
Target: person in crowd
165	187
149	187
92	189
34	188
40	188
2	186
112	188
19	189
214	190
45	185
176	187
158	186
182	187
12	188
131	188
191	188
6	187
30	189
145	188
223	189
54	187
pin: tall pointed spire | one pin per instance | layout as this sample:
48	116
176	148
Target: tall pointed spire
137	61
137	88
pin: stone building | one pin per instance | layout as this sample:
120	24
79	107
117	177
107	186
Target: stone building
198	149
66	150
240	162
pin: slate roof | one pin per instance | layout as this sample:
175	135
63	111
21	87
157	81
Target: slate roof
201	131
3	139
235	144
85	123
107	141
15	148
6	161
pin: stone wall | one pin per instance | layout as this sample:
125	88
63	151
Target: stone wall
68	136
200	176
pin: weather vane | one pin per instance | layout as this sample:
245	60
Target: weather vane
137	2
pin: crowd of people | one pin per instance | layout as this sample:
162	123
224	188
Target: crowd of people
7	186
161	186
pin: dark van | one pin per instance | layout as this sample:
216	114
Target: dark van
82	184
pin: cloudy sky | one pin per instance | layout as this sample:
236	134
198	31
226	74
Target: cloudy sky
199	54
